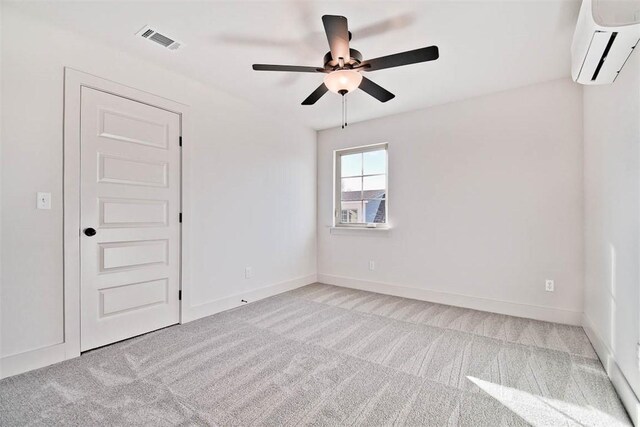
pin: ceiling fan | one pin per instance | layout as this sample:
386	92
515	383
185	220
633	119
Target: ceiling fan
343	65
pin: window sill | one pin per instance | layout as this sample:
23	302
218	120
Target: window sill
358	230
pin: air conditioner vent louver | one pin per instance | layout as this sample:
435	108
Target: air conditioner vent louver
163	40
159	38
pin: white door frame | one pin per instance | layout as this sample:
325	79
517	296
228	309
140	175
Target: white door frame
74	80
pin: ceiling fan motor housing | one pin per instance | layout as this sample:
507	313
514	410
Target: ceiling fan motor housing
354	60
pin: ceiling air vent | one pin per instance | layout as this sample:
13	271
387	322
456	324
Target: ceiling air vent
162	39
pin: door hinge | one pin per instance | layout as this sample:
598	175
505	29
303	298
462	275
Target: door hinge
180	141
180	295
180	217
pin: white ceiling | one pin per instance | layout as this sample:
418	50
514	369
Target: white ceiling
485	46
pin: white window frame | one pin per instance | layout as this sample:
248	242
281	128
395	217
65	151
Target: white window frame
337	189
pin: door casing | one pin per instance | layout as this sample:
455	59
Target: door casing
73	82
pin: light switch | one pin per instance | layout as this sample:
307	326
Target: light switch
44	201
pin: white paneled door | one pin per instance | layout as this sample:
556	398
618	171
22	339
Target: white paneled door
129	216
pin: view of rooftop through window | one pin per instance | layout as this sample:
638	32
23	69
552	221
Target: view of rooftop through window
363	187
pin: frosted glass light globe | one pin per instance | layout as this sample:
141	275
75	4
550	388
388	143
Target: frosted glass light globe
340	80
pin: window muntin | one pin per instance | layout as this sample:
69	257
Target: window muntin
361	186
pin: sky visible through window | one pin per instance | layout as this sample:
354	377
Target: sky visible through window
356	167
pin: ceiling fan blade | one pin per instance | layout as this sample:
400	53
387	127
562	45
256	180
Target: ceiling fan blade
338	36
398	59
293	68
395	23
375	90
317	94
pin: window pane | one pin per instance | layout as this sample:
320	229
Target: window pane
352	212
352	190
375	162
375	211
377	182
351	165
351	184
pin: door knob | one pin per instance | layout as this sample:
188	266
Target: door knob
90	231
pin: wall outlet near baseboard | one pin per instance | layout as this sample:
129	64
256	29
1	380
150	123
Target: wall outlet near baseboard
549	285
372	265
248	272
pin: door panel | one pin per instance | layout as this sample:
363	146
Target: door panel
133	213
119	299
133	254
131	172
125	127
130	193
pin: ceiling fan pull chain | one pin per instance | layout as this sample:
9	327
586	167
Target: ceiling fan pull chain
342	118
345	111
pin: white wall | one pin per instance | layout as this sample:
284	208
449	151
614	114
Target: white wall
245	211
485	204
612	222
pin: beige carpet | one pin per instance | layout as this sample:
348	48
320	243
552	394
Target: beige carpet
325	355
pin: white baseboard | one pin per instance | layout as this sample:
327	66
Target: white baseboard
30	360
233	301
548	314
620	383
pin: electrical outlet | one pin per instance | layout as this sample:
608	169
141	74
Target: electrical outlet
549	285
43	201
248	272
372	265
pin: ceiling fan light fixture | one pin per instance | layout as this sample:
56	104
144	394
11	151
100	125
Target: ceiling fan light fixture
343	80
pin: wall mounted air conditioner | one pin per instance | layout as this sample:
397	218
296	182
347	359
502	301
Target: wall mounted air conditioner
607	33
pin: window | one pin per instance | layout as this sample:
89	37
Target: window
361	197
349	215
